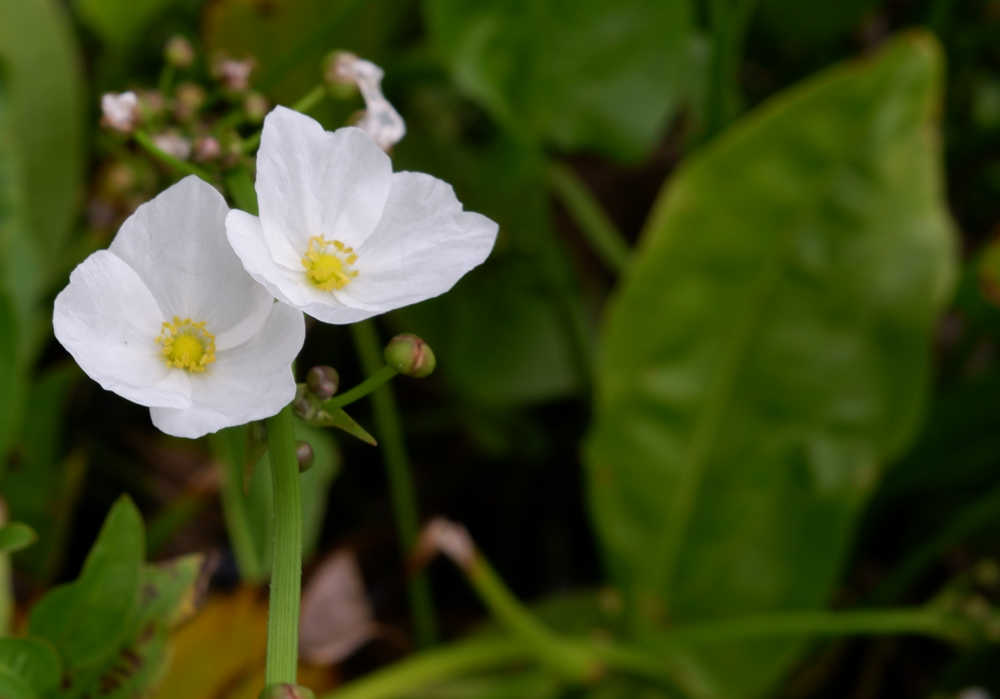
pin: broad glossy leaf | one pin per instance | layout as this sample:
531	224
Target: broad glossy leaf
768	351
584	74
87	619
31	660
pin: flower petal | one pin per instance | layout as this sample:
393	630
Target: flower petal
109	321
422	246
311	182
177	245
245	383
246	235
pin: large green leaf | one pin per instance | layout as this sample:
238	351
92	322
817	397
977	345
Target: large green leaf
584	74
87	619
120	23
44	128
768	351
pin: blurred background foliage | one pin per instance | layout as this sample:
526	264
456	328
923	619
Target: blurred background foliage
775	391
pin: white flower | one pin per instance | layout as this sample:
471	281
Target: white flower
120	111
167	318
342	237
380	120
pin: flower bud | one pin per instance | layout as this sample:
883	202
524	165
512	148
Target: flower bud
337	69
207	148
234	75
323	381
179	52
304	405
189	99
255	105
120	111
410	356
304	454
172	143
287	691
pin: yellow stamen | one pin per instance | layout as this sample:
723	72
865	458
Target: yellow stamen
328	263
186	344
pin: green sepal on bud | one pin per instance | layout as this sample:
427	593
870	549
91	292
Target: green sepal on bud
323	381
287	691
410	356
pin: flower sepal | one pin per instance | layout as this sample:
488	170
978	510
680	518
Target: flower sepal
309	408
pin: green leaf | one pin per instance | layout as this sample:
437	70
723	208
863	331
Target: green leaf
43	126
769	351
87	619
585	74
13	687
41	487
16	536
31	660
11	380
166	590
120	22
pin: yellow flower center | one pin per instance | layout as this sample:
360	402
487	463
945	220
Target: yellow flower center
328	263
186	344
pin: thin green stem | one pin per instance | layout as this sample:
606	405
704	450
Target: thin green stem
604	238
730	21
891	621
389	431
304	104
563	657
181	166
231	449
369	385
286	573
432	666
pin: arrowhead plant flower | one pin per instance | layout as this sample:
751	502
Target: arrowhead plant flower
167	317
343	238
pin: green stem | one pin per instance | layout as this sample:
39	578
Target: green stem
921	621
563	657
6	583
379	378
432	666
304	104
286	573
389	431
604	238
181	166
230	447
730	21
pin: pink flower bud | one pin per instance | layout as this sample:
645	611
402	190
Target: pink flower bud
120	111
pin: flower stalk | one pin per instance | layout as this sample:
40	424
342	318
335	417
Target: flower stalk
404	502
181	166
378	379
286	572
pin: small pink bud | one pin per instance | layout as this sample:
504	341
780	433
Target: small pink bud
174	144
189	99
233	74
120	111
255	105
207	148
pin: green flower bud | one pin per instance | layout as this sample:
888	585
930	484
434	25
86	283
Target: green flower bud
304	454
179	52
287	691
323	381
410	356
